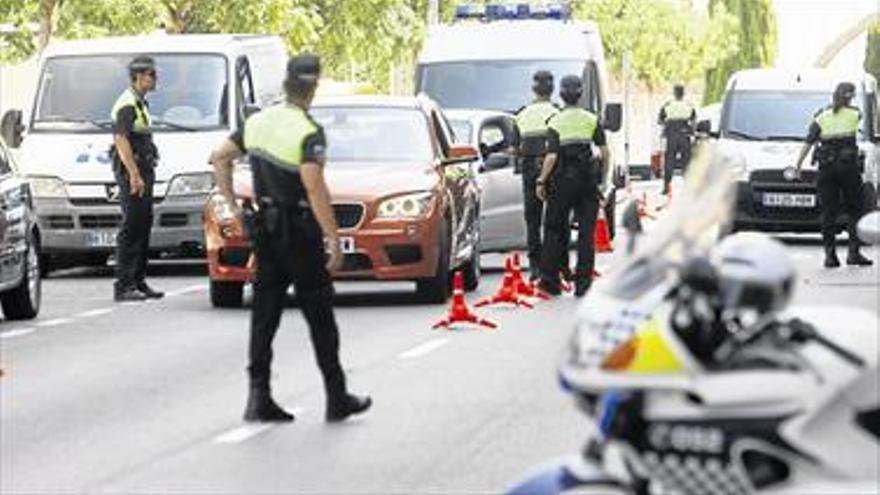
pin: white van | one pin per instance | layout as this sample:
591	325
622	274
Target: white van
485	60
764	120
206	86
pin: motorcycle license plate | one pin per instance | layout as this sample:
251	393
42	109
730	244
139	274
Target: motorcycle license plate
788	200
101	239
346	245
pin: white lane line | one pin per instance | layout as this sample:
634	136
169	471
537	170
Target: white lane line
242	433
55	322
187	290
424	349
94	312
17	332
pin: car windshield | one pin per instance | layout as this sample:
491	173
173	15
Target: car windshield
374	134
504	85
769	115
76	94
462	130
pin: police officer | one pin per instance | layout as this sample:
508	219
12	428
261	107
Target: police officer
295	238
834	128
531	123
572	135
677	118
134	157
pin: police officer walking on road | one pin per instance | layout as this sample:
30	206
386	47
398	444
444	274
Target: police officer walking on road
573	133
295	238
834	129
531	124
677	118
134	158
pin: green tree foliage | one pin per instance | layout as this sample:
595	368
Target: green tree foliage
667	41
872	51
757	43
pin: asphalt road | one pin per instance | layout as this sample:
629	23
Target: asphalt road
147	398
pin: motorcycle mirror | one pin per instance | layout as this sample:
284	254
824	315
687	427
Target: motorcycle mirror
869	228
699	274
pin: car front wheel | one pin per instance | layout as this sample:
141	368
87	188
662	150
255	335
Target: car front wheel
23	302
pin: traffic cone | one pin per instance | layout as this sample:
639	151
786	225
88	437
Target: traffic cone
522	287
643	207
459	311
565	285
668	199
601	236
507	293
596	274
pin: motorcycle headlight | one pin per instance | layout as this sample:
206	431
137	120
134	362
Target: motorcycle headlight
406	206
188	184
47	187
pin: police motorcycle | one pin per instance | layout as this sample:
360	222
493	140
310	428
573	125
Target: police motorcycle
700	380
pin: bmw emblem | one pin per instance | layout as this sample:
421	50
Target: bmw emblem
790	174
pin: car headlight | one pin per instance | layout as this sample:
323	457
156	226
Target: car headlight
406	206
47	187
187	184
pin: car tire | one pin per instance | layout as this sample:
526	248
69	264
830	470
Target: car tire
611	213
869	197
226	294
23	302
435	290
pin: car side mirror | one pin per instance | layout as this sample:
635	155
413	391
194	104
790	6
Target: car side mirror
459	153
250	109
704	127
11	128
613	116
869	228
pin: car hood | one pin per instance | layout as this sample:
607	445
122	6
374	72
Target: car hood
762	155
84	157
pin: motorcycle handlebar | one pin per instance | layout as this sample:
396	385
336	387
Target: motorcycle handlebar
802	331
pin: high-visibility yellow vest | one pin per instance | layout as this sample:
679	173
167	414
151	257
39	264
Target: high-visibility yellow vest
278	133
574	126
532	120
678	110
843	123
141	116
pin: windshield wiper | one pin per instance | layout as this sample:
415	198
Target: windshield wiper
100	124
173	125
743	135
784	138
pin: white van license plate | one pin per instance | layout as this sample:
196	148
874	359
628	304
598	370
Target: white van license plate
101	239
346	245
788	200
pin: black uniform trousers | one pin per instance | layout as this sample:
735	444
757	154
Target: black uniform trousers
133	239
299	261
840	181
678	153
533	209
573	193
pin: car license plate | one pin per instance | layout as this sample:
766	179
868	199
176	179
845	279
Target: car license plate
788	200
346	245
101	238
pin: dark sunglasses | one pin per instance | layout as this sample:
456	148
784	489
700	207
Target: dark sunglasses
151	73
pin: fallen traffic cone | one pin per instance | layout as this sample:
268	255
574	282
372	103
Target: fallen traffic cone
507	293
459	312
522	287
601	236
596	274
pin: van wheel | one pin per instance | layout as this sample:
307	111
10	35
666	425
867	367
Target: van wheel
435	290
226	294
869	198
23	302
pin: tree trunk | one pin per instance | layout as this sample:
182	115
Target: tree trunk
48	20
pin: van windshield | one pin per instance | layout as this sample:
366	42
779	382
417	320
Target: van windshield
504	85
772	115
374	134
77	93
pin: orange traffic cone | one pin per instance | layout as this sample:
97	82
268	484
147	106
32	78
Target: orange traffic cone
601	236
507	293
596	274
522	287
643	207
459	312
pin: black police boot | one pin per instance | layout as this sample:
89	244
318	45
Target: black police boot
128	294
340	410
831	260
149	291
581	286
855	258
549	287
262	408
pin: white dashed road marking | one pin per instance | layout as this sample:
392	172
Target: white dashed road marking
94	312
17	332
423	349
242	433
55	322
187	290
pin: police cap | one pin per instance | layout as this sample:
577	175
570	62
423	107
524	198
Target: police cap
304	69
141	63
845	91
